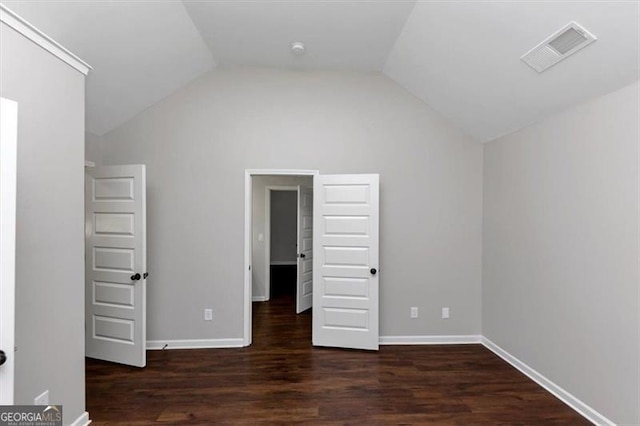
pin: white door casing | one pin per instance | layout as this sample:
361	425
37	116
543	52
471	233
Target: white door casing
115	309
8	174
304	291
345	274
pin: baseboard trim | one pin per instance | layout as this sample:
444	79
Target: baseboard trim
564	396
194	344
82	420
259	299
429	340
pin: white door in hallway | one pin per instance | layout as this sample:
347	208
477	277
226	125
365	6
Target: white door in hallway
116	269
8	174
304	292
345	273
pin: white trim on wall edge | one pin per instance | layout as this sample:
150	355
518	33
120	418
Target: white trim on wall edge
564	396
82	420
259	299
21	25
429	340
194	344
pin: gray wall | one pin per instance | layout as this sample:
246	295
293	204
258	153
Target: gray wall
50	223
284	229
560	281
92	148
258	253
197	143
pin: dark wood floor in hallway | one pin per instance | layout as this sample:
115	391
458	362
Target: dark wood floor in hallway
282	379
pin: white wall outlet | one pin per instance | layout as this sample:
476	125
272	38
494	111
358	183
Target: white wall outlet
260	237
42	399
445	313
414	312
208	314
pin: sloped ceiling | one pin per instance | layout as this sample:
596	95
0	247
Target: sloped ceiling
140	51
461	58
342	35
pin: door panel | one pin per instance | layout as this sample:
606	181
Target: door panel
115	251
113	294
113	224
121	260
346	248
304	292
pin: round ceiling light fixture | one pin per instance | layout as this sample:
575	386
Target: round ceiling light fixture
297	48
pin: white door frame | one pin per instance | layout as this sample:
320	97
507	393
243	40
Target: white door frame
248	215
8	170
267	234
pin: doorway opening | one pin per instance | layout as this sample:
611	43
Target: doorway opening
260	252
280	242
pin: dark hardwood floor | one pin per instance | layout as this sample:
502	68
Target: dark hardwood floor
282	379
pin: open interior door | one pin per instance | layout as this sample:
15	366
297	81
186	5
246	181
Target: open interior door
345	274
115	311
304	292
8	173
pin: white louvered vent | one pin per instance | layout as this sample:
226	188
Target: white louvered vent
560	45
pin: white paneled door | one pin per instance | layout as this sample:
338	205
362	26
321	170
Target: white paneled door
304	293
116	269
345	273
8	173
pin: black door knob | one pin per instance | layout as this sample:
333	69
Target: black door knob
373	271
302	255
3	357
135	277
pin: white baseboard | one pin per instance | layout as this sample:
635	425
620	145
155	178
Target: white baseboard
429	340
82	420
259	299
573	402
283	262
194	344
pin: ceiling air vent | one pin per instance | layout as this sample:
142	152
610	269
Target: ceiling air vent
558	46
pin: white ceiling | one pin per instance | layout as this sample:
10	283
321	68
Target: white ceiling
342	35
140	51
461	58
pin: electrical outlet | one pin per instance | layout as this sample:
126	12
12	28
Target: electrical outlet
208	314
414	312
42	399
445	313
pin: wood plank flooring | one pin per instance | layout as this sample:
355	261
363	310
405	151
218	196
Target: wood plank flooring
282	379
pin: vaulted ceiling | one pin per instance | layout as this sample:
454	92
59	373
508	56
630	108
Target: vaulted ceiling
461	58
